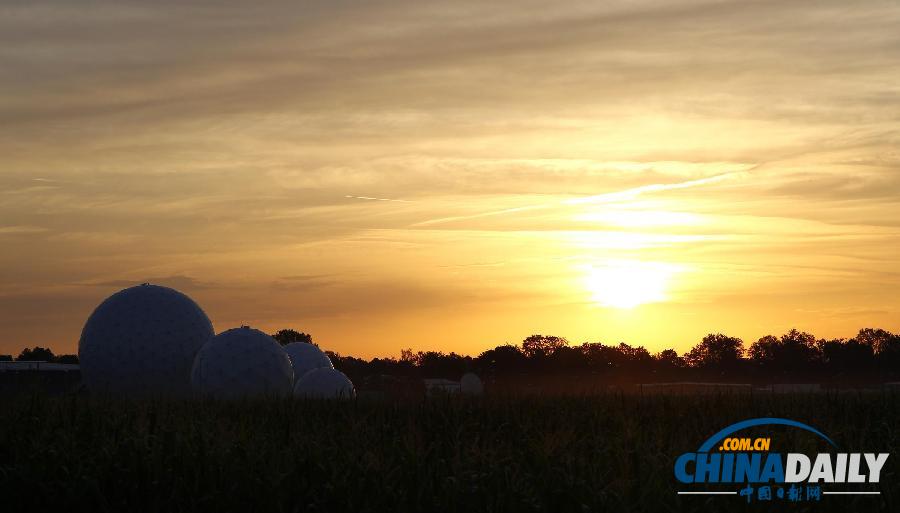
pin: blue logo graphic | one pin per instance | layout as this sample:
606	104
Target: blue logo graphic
725	458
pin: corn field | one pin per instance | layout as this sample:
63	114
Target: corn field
611	452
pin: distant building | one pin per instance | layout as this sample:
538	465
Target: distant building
54	378
437	386
38	366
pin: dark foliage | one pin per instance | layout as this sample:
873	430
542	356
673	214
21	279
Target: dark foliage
36	354
286	336
796	357
872	356
43	354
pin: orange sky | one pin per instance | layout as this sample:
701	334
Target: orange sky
454	176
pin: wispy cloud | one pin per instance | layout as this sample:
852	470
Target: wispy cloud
369	198
450	219
21	230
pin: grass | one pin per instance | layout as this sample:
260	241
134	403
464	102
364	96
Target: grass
517	454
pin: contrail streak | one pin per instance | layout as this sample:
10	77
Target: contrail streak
610	197
369	198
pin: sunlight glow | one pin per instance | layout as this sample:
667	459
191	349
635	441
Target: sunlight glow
640	218
628	283
622	240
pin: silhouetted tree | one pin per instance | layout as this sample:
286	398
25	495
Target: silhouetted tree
538	346
67	358
37	354
567	360
716	351
847	360
439	365
6	358
669	359
407	355
763	350
634	356
667	366
502	359
601	357
878	339
885	348
287	336
794	354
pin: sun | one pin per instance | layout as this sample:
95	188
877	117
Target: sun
626	284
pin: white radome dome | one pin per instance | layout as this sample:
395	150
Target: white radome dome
471	384
306	357
142	341
242	363
324	383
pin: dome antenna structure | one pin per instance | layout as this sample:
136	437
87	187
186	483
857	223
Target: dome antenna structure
324	383
242	363
142	341
306	357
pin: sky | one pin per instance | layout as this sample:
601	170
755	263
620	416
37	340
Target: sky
454	175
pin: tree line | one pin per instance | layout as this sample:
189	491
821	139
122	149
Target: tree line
40	354
872	356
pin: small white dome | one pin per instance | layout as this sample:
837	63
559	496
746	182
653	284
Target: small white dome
242	362
306	357
142	341
471	384
324	383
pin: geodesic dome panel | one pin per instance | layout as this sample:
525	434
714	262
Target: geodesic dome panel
306	357
142	341
242	362
324	383
471	384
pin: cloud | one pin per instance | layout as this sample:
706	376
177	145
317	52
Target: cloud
307	282
21	230
405	146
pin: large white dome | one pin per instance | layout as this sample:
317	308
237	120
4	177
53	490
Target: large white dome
306	357
324	383
142	341
242	362
471	384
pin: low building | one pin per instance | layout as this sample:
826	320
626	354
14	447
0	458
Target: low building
437	386
49	377
20	366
